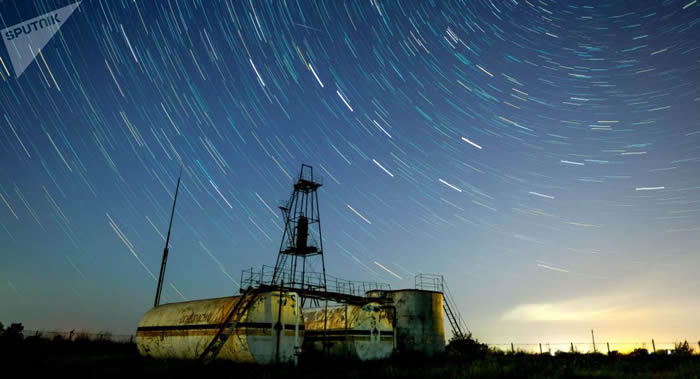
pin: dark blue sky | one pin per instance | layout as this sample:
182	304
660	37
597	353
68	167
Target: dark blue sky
542	155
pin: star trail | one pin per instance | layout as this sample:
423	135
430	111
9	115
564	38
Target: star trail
534	152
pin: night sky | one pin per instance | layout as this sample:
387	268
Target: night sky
544	156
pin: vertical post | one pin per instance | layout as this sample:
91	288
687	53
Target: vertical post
303	270
325	328
297	347
608	343
540	348
393	316
278	326
572	347
653	345
346	330
593	337
320	237
161	277
512	349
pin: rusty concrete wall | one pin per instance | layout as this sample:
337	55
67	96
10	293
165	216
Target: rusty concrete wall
352	331
420	325
183	330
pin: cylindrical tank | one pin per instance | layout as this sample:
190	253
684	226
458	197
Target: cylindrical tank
364	332
420	325
184	330
302	233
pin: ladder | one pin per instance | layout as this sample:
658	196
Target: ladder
229	325
453	316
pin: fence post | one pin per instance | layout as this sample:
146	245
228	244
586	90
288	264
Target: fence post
512	349
653	345
572	347
608	343
540	348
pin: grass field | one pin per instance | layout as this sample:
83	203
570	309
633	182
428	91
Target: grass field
82	357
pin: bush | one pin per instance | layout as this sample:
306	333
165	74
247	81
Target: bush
639	352
466	347
683	349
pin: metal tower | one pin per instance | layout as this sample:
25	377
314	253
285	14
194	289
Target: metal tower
301	240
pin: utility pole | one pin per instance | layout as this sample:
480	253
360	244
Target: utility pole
593	337
167	242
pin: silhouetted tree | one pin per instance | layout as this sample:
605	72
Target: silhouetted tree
14	331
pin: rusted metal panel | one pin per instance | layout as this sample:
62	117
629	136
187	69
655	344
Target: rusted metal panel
419	321
364	332
183	330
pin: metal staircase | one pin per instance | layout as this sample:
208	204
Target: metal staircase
453	316
228	327
437	283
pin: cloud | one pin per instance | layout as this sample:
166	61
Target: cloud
617	307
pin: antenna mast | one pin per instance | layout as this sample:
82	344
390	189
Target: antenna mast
167	242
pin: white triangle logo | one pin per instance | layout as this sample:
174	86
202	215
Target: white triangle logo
24	40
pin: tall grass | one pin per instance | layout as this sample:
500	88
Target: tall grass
85	355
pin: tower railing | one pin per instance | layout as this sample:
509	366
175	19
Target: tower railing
256	277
